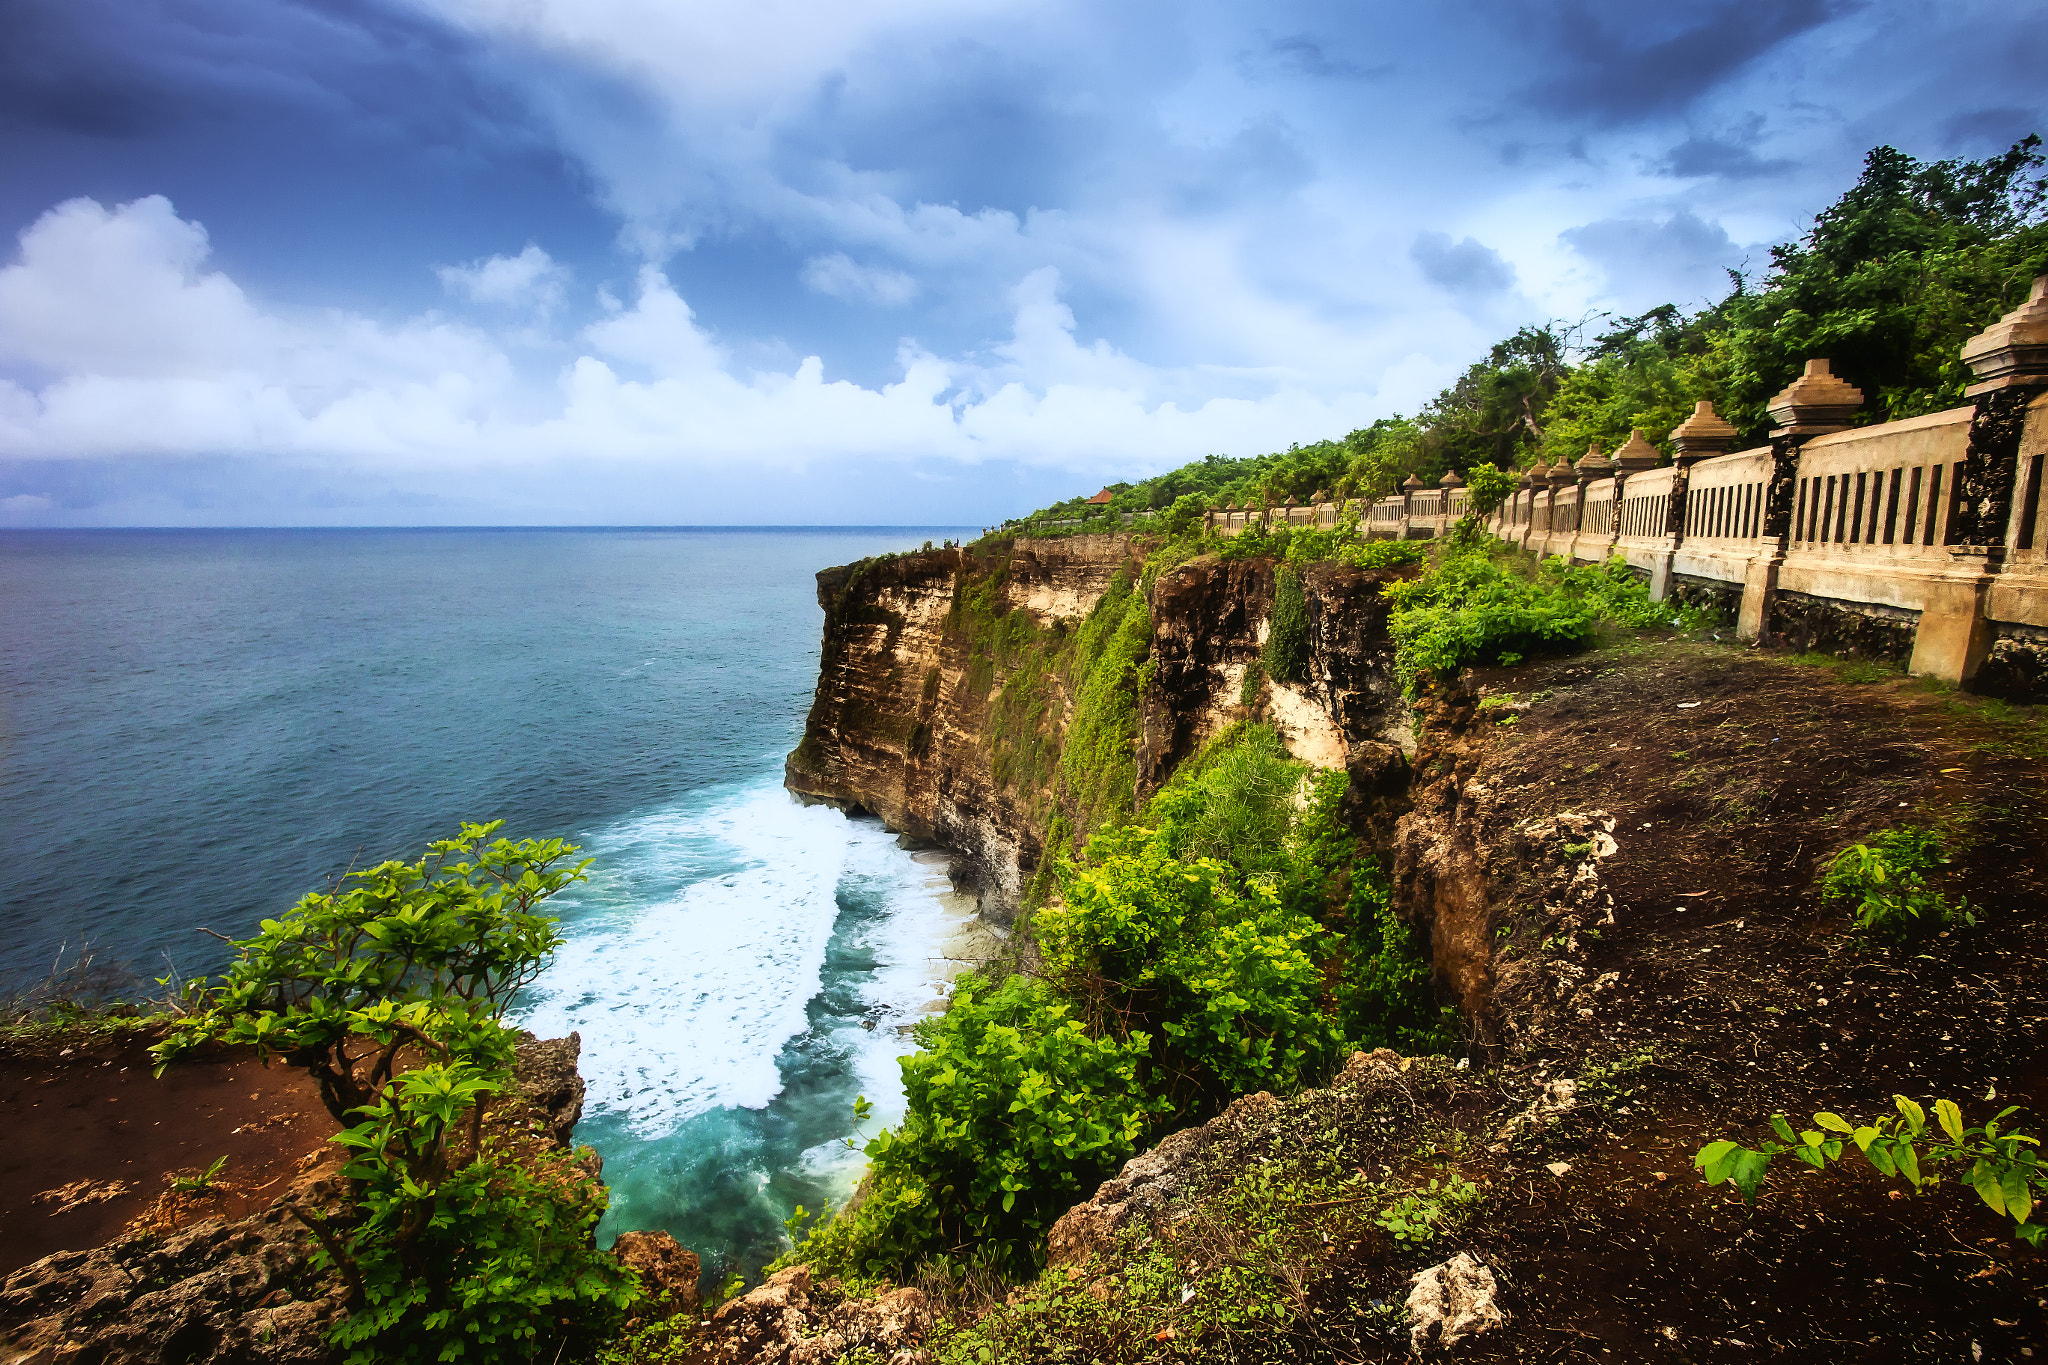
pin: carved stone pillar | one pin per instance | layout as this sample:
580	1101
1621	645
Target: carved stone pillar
1814	404
2010	360
1699	437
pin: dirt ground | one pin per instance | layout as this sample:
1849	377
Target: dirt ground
93	1140
1733	776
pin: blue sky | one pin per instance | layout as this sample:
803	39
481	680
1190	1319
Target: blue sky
309	262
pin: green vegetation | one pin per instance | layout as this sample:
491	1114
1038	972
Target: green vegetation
1234	936
1481	604
1287	639
1887	283
456	1244
2003	1167
1884	881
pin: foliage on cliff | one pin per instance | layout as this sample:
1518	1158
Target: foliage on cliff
391	990
1482	602
1234	936
1888	283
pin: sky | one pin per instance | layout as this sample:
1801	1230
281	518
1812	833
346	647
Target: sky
705	262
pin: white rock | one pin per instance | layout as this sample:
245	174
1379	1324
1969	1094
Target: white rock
1451	1302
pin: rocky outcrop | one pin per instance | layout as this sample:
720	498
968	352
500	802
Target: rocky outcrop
668	1272
791	1321
234	1293
900	725
1187	1163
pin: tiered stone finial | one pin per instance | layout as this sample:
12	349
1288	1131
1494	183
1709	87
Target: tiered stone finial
2013	351
1451	480
1411	484
1636	454
1322	496
1702	434
1593	464
1816	403
1540	473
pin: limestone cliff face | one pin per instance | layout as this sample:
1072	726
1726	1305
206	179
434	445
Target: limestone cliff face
900	725
1211	618
895	728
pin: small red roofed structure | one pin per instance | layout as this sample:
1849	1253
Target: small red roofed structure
1100	498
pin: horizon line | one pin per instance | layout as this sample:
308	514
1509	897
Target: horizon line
534	526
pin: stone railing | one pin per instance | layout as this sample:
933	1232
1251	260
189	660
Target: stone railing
1922	541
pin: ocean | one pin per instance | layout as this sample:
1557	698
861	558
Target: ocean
197	727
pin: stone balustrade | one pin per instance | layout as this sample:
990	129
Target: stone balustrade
1922	541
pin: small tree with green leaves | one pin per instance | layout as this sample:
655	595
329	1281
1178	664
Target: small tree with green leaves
391	989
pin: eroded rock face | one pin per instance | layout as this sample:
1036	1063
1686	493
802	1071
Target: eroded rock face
547	1079
215	1292
1150	1184
791	1321
896	728
1451	1303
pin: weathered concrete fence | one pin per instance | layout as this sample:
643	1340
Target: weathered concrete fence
1917	541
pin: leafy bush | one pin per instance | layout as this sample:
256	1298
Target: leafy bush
1884	880
499	1260
1286	650
2004	1167
1222	970
1488	487
1013	1113
1234	801
392	993
1473	608
1380	986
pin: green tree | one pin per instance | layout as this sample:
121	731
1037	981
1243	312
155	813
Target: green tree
391	990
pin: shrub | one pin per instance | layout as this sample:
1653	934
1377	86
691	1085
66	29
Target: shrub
1233	801
1223	973
1286	652
1472	608
1013	1113
391	992
1884	880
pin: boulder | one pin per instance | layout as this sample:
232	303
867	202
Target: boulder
791	1321
668	1271
1451	1303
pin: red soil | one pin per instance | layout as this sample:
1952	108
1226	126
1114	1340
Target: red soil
98	1116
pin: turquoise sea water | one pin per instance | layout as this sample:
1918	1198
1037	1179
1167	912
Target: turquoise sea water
198	726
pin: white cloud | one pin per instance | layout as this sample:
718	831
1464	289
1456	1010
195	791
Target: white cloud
532	279
213	373
26	502
839	276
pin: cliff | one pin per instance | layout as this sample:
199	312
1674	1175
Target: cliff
950	681
1619	855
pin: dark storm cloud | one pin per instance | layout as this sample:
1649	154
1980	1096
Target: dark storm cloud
1616	61
1467	268
346	131
1730	155
1649	262
1990	130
